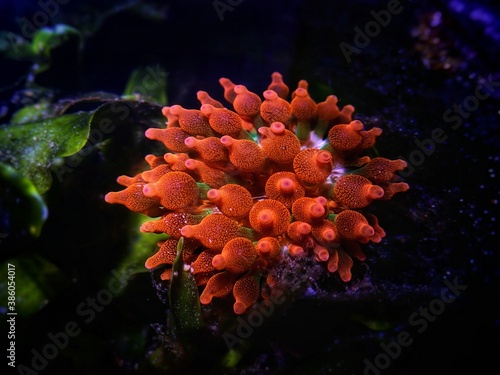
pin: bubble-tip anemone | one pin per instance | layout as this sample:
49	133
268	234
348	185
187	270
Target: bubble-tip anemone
273	177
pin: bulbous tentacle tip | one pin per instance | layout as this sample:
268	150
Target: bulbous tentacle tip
203	264
150	263
354	226
154	160
356	125
345	264
246	291
264	131
329	235
375	192
279	144
207	109
303	84
345	115
325	233
308	210
205	298
165	111
345	275
233	200
172	120
313	166
170	158
269	217
321	253
296	250
356	191
301	92
149	190
239	308
227	140
188	231
381	169
191	164
298	231
237	256
269	249
166	275
204	98
228	87
218	262
321	200
274	108
151	133
317	210
214	195
127	181
286	185
111	197
240	89
147	227
323	157
270	95
299	228
155	174
263	247
376	238
191	142
222	120
391	188
244	154
265	217
304	108
366	230
246	103
332	264
328	110
219	285
278	85
277	128
165	255
402	186
399	164
176	109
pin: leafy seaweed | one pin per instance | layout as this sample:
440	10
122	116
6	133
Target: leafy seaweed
183	295
22	209
30	148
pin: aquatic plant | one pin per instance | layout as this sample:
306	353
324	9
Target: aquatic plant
272	178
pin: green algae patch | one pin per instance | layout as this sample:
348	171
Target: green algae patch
30	148
22	209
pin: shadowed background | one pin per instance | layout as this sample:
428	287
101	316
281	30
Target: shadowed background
428	58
